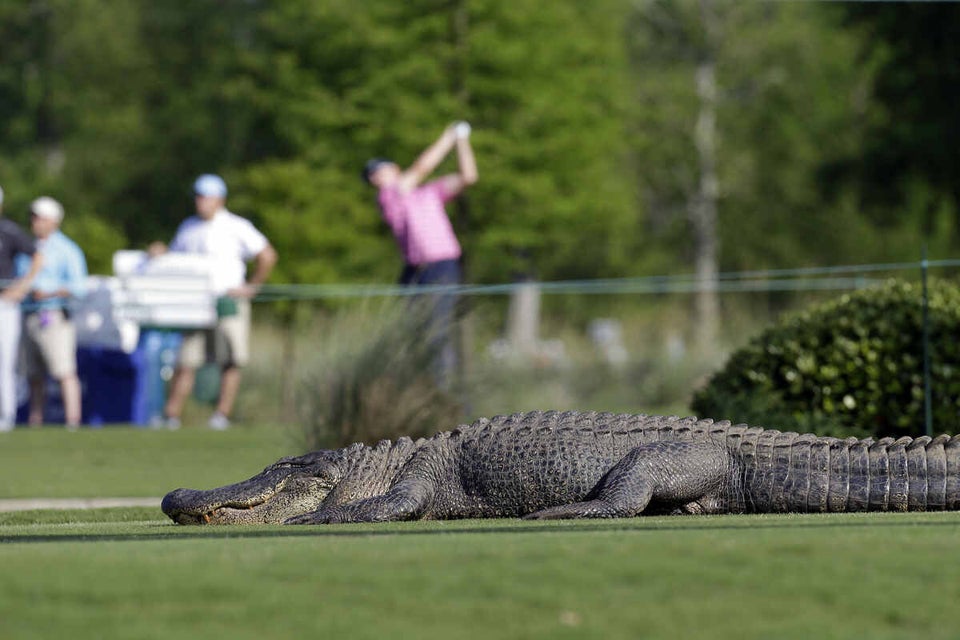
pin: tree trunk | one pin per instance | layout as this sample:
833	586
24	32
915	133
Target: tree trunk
523	321
703	212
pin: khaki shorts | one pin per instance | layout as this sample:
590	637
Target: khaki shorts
227	344
49	344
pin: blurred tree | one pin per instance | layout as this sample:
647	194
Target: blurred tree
67	118
549	91
910	166
790	101
114	106
338	86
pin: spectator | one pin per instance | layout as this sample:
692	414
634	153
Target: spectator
230	241
50	337
14	241
415	211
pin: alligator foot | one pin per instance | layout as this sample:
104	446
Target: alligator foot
323	516
588	509
404	502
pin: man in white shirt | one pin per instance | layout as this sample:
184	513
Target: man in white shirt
230	241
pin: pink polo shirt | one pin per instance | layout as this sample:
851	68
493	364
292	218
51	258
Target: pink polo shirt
420	224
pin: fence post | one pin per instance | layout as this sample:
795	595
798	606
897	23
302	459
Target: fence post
523	320
927	394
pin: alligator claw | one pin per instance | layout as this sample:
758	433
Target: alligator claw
306	518
322	516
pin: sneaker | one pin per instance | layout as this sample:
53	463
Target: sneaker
5	426
171	423
219	422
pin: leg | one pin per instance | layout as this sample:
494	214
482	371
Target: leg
669	474
440	317
70	389
38	396
9	343
58	342
235	332
406	500
36	368
180	388
193	353
229	386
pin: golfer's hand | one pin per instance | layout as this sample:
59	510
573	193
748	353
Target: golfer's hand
461	130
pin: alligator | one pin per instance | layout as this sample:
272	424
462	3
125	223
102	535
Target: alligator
553	465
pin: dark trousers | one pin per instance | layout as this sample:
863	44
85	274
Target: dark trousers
440	311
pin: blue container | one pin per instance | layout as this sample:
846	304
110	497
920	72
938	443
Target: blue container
108	378
118	387
155	358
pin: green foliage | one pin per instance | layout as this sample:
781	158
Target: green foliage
913	133
374	379
555	197
97	238
583	113
791	103
851	366
336	86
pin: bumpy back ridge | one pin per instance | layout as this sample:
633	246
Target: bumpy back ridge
781	471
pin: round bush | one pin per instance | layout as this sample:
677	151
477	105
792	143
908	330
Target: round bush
852	366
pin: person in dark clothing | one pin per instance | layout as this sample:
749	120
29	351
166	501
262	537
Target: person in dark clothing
13	241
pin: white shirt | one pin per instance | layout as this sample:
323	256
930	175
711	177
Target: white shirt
229	240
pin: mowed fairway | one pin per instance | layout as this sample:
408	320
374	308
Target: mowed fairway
128	573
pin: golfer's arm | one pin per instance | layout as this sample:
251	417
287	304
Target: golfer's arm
431	157
466	162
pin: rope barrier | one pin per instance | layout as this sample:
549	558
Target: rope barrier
756	281
834	278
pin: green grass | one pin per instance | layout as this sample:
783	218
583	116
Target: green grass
838	576
130	573
132	462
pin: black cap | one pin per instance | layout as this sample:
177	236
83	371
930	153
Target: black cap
371	167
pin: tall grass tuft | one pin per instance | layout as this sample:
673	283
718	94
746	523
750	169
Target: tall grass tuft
375	377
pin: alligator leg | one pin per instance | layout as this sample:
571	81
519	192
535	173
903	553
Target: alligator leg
661	473
404	501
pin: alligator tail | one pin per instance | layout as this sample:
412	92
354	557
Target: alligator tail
804	473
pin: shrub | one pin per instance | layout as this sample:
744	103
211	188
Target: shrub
374	378
852	366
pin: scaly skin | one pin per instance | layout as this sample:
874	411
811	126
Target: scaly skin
547	465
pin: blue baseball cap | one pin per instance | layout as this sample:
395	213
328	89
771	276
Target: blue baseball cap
210	185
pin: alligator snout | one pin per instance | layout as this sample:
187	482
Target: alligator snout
176	505
184	506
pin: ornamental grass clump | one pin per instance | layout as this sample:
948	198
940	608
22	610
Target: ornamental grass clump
852	366
375	377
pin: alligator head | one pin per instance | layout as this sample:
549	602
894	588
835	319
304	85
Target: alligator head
287	488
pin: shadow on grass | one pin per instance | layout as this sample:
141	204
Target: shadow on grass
783	521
